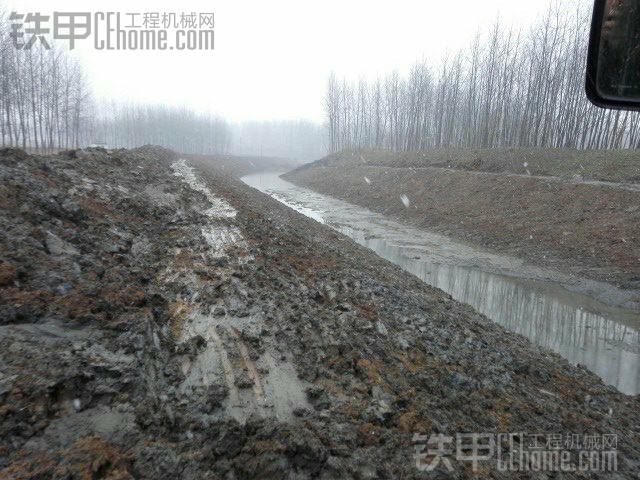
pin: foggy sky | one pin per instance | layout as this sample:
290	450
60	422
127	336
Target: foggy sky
272	58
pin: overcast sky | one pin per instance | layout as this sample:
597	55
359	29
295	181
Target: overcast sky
272	57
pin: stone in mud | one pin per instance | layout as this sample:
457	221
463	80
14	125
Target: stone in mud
56	246
460	382
382	330
378	412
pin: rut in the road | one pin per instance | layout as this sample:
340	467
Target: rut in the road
267	385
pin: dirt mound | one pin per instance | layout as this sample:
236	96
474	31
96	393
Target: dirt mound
620	166
589	230
158	321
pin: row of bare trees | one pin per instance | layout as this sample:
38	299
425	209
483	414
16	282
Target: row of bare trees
180	129
510	88
44	96
46	104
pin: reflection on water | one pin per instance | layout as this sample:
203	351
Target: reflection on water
549	316
606	340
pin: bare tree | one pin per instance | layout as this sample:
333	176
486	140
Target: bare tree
44	97
508	89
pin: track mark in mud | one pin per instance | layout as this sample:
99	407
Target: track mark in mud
219	236
229	376
251	367
222	238
219	207
266	385
276	390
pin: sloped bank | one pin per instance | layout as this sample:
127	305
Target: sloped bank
583	229
161	321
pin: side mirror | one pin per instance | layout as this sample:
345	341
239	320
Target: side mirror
613	64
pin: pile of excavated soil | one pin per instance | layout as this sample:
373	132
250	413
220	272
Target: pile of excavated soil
159	321
622	166
588	230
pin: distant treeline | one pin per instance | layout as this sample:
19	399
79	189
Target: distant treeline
46	103
131	125
182	130
509	88
296	139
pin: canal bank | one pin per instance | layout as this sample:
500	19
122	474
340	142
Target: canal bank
554	310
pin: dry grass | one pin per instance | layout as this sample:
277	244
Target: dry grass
602	165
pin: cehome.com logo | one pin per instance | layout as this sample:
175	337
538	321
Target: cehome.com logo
518	452
110	31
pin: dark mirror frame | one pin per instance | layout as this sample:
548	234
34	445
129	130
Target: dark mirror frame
592	64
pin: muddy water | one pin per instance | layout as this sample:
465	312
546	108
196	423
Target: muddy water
604	339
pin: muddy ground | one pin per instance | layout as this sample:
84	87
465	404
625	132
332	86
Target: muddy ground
159	321
588	230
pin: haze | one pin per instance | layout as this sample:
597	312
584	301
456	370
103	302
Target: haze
272	59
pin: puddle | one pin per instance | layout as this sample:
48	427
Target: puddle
585	331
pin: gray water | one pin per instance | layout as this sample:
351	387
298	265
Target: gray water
585	331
